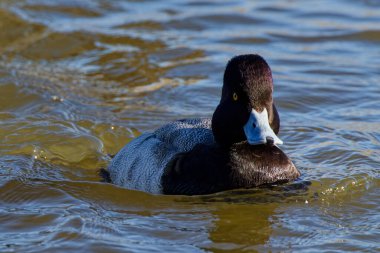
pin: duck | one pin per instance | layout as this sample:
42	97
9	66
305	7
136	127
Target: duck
236	148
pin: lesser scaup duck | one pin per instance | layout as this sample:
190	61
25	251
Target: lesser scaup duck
237	148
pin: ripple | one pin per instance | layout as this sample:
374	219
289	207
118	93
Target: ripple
372	36
246	40
66	11
21	34
56	46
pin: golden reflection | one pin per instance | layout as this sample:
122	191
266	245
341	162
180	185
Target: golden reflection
16	34
248	226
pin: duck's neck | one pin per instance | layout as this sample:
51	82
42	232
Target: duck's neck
227	125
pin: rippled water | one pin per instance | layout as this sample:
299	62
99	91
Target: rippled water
79	79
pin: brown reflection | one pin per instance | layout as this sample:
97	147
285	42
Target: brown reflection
57	46
106	65
75	11
241	219
242	226
16	33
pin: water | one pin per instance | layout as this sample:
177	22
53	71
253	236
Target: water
79	79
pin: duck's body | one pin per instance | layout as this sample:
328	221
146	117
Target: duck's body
235	149
129	169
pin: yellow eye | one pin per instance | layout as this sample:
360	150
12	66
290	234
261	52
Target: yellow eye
235	96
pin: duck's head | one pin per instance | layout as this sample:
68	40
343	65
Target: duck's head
246	110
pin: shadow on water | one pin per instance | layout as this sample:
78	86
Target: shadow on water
201	221
67	210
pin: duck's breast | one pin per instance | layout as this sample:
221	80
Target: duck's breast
140	164
254	165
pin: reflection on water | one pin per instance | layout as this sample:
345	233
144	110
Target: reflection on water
79	79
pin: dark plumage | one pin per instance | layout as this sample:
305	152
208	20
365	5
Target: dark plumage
239	166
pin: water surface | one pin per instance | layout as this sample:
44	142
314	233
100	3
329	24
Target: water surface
80	79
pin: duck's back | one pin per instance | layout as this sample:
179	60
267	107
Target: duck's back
140	164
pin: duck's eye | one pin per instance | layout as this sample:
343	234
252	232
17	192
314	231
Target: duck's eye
235	96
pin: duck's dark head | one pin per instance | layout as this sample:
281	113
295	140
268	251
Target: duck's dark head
246	110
